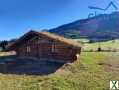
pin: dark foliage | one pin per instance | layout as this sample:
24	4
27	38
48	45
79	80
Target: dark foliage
3	45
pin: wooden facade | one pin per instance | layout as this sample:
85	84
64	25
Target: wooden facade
41	45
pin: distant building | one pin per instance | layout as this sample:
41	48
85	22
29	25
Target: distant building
46	45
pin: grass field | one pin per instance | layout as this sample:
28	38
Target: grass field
92	71
107	45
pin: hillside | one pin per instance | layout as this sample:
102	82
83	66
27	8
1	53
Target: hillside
104	26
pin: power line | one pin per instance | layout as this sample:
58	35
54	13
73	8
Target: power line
104	9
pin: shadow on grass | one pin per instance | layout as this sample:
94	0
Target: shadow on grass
13	65
7	58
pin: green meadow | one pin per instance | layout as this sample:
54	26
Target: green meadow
107	45
92	71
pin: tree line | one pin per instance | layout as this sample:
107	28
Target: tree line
5	43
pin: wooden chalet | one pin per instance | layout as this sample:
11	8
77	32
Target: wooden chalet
46	45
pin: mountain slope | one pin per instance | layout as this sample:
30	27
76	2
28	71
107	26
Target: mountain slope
104	26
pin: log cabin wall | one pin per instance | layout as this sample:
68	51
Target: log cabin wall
44	47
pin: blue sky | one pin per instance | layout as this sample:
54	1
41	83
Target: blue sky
19	16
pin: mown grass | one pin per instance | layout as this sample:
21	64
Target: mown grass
84	74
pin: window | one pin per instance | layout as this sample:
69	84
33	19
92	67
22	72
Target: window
54	49
28	49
